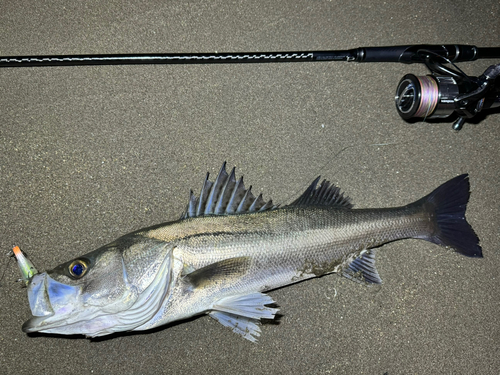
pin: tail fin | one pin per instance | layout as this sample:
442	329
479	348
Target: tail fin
448	203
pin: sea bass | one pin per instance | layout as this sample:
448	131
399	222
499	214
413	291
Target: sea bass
226	250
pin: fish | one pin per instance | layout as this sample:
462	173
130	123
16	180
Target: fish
227	250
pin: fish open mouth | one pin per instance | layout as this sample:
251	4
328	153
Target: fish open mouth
58	308
38	296
41	304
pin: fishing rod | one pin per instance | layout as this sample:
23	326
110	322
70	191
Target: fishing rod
402	54
437	96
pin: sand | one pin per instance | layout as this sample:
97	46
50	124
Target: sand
91	153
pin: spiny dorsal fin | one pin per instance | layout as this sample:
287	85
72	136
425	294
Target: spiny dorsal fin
325	195
225	196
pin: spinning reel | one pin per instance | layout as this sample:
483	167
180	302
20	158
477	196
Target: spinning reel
447	91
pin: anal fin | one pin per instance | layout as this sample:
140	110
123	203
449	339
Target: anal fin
242	313
362	268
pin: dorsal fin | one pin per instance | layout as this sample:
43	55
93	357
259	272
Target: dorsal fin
324	195
225	196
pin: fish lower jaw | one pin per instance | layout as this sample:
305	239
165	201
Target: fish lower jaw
90	327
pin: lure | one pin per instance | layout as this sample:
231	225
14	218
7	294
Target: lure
27	268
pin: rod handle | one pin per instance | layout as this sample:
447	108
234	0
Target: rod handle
416	53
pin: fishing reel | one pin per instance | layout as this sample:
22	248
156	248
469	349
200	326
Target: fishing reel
447	91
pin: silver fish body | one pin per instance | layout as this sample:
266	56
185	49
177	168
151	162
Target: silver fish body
227	249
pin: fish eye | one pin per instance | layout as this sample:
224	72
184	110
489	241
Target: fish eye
78	268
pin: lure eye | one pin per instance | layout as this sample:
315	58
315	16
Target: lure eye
78	268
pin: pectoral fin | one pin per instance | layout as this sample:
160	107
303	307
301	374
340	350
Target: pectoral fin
242	313
223	272
250	306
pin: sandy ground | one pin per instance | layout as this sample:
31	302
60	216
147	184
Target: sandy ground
91	153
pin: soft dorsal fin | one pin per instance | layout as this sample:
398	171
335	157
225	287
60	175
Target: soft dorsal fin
225	196
324	195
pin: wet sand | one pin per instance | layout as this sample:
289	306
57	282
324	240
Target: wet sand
91	153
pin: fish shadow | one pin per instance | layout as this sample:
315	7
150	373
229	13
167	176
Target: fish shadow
112	336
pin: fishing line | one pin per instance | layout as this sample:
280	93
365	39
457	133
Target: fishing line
10	255
429	96
326	174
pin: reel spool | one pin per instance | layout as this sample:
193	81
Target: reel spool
426	97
